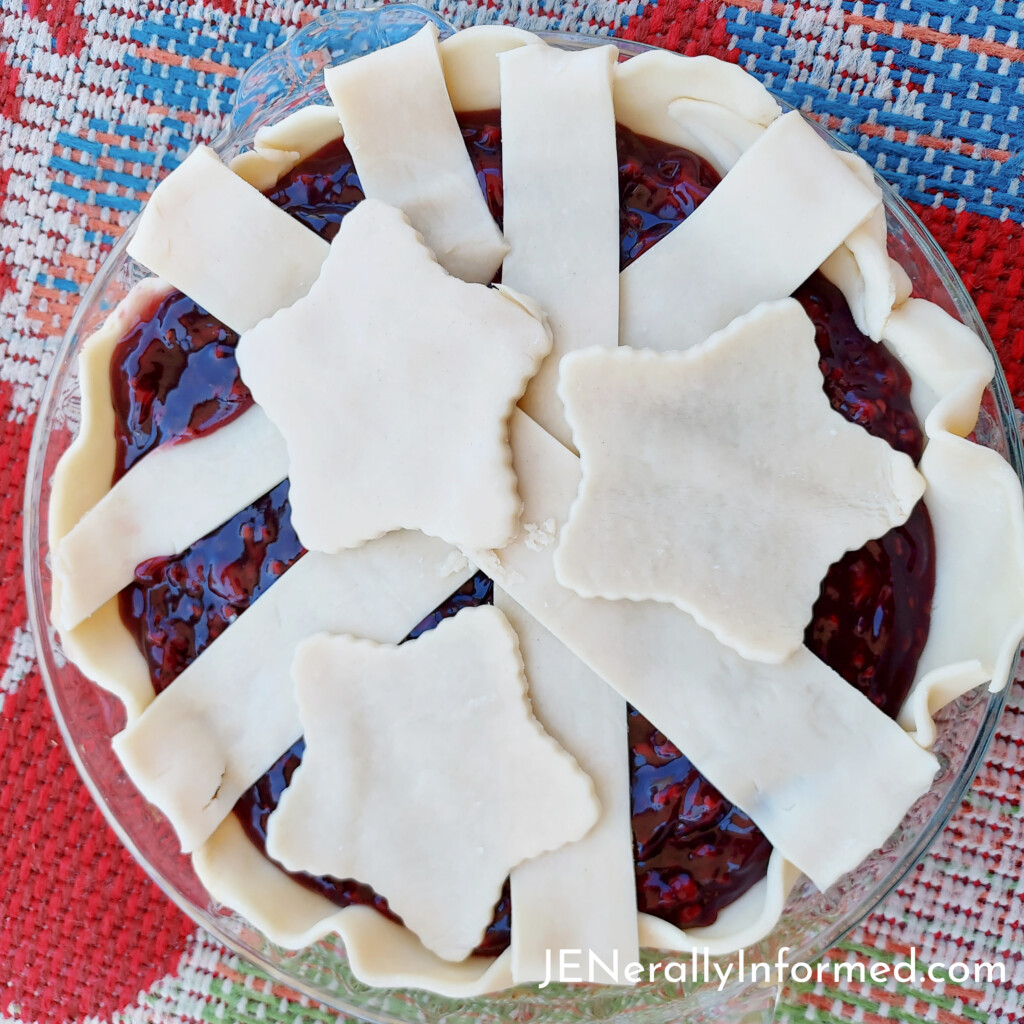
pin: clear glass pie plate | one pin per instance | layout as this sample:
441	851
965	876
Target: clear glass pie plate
88	717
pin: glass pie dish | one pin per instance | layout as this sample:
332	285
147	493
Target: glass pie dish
274	87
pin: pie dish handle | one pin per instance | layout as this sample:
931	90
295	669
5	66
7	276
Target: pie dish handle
291	76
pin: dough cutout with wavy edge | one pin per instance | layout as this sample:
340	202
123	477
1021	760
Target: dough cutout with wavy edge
393	393
718	479
211	734
425	774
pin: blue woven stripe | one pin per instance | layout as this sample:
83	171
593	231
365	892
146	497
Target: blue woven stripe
133	131
56	282
241	47
89	170
133	155
956	19
176	86
961	96
64	189
120	203
131	181
95	238
70	167
74	142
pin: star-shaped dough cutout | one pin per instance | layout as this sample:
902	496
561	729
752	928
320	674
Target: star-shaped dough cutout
392	383
426	775
721	480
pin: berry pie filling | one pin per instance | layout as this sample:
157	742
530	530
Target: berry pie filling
677	497
174	376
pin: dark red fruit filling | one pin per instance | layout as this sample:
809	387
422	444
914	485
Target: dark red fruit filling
695	852
659	187
179	605
693	849
865	382
320	190
173	376
872	615
482	134
871	618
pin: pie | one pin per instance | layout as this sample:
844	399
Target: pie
616	347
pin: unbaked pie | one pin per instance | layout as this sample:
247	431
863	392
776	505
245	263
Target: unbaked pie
615	347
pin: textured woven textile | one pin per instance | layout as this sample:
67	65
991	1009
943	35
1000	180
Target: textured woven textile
99	99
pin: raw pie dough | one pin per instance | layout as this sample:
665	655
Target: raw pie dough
721	479
217	239
657	93
211	734
426	775
561	200
872	282
101	647
786	205
553	895
777	740
169	498
648	91
408	150
974	500
352	375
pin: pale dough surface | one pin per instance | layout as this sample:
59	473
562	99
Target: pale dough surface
554	896
210	735
407	147
785	206
561	221
718	111
718	133
425	774
872	282
708	106
277	148
254	259
380	952
101	647
471	59
719	479
561	189
393	394
171	497
974	500
777	740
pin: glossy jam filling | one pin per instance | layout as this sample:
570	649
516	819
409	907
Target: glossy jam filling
695	852
177	606
173	377
872	615
659	187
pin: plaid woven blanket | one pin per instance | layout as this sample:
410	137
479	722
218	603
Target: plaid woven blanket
99	98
